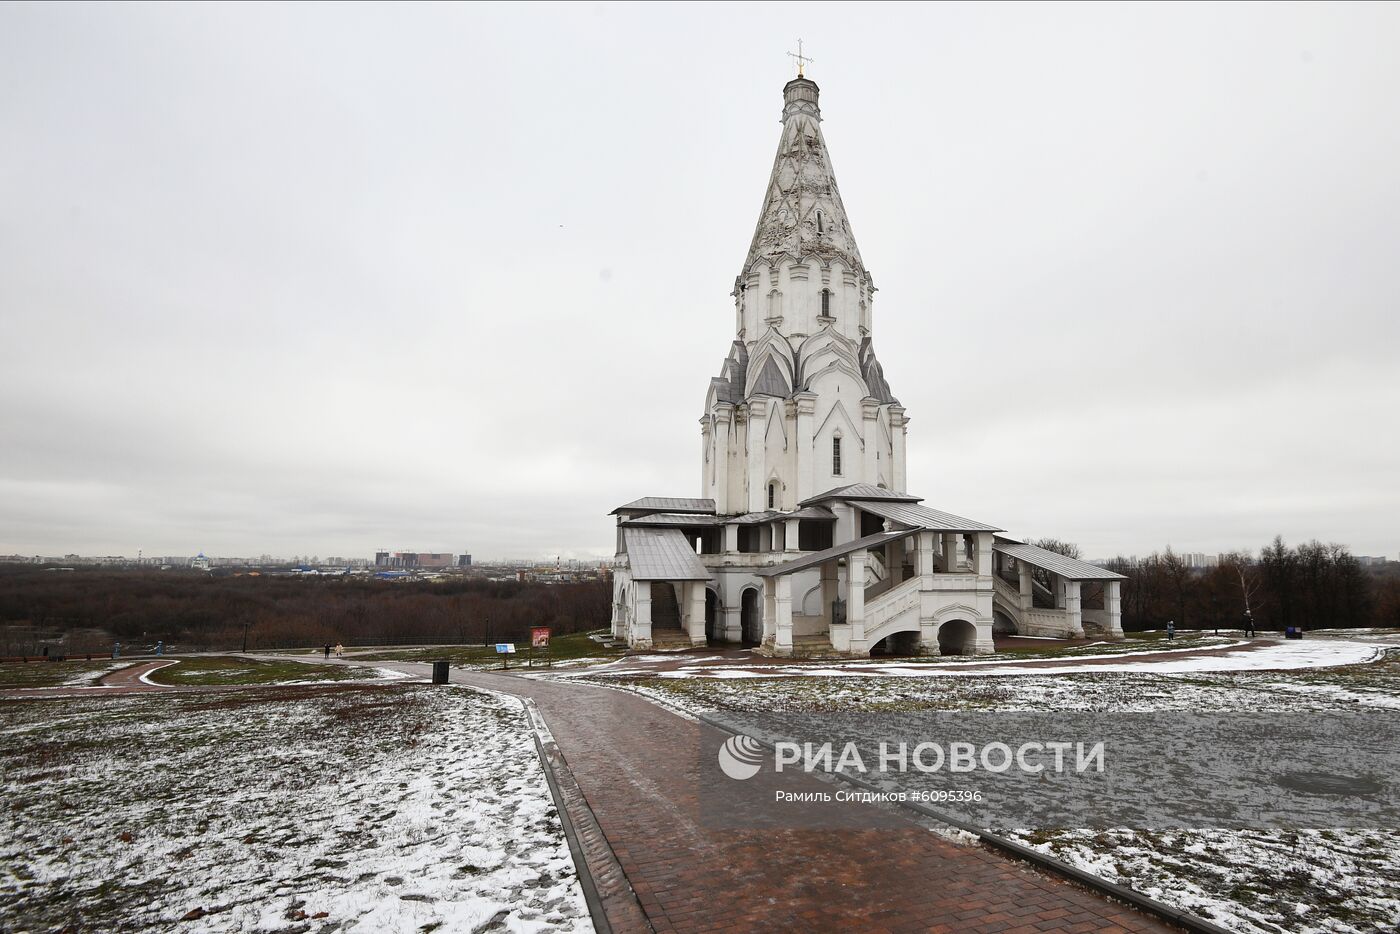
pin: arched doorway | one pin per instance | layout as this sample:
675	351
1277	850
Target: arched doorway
714	631
902	644
957	637
750	618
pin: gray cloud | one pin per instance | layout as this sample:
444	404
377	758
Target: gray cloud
317	279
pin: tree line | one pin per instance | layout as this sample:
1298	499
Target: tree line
88	609
1311	586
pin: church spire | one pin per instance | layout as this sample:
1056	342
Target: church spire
802	212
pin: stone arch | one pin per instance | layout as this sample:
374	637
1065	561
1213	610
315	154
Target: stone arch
957	637
750	616
714	622
1003	624
903	643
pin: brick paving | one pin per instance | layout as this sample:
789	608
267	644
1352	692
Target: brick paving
640	768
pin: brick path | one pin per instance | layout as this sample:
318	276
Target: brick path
639	767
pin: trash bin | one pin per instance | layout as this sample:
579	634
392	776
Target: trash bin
439	672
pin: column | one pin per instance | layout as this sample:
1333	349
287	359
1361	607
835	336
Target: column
831	589
734	622
731	539
695	611
1112	603
952	552
855	601
770	611
708	477
806	406
982	553
1074	620
641	626
925	560
790	534
898	426
1027	585
719	456
870	439
782	642
758	455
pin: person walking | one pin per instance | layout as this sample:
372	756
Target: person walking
328	650
339	650
1249	624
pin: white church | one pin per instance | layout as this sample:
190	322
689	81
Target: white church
804	540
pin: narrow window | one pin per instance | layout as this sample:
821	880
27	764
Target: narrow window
826	303
836	457
820	227
772	494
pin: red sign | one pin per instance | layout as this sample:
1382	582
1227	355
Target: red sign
539	637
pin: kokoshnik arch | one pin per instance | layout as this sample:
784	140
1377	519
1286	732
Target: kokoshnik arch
803	540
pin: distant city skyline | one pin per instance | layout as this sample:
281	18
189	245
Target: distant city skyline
316	279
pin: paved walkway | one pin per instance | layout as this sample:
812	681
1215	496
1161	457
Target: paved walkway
640	768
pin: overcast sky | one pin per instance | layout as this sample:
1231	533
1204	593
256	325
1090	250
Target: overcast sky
317	279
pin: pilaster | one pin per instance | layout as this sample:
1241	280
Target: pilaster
805	404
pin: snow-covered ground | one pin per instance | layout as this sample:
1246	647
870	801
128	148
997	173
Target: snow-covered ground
1261	882
384	808
1231	656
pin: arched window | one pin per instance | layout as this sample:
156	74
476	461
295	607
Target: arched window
772	494
775	304
826	303
836	456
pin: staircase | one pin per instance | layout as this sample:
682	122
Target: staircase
666	631
895	610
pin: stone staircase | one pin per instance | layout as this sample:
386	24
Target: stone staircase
666	631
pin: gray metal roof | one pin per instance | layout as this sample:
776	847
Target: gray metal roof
666	504
662	555
757	518
772	515
1054	562
934	519
860	491
674	519
812	512
821	557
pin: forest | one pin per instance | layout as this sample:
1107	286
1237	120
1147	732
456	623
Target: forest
89	609
1311	586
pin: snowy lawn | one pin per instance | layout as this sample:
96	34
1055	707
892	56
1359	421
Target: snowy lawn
227	669
1250	881
342	808
40	674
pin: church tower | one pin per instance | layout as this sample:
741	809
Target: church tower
801	405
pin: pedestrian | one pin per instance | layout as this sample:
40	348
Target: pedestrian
1171	629
339	650
1249	624
160	648
116	650
328	650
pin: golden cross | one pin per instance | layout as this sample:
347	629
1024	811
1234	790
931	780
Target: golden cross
801	59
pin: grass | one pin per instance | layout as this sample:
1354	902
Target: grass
562	648
227	669
41	674
262	810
